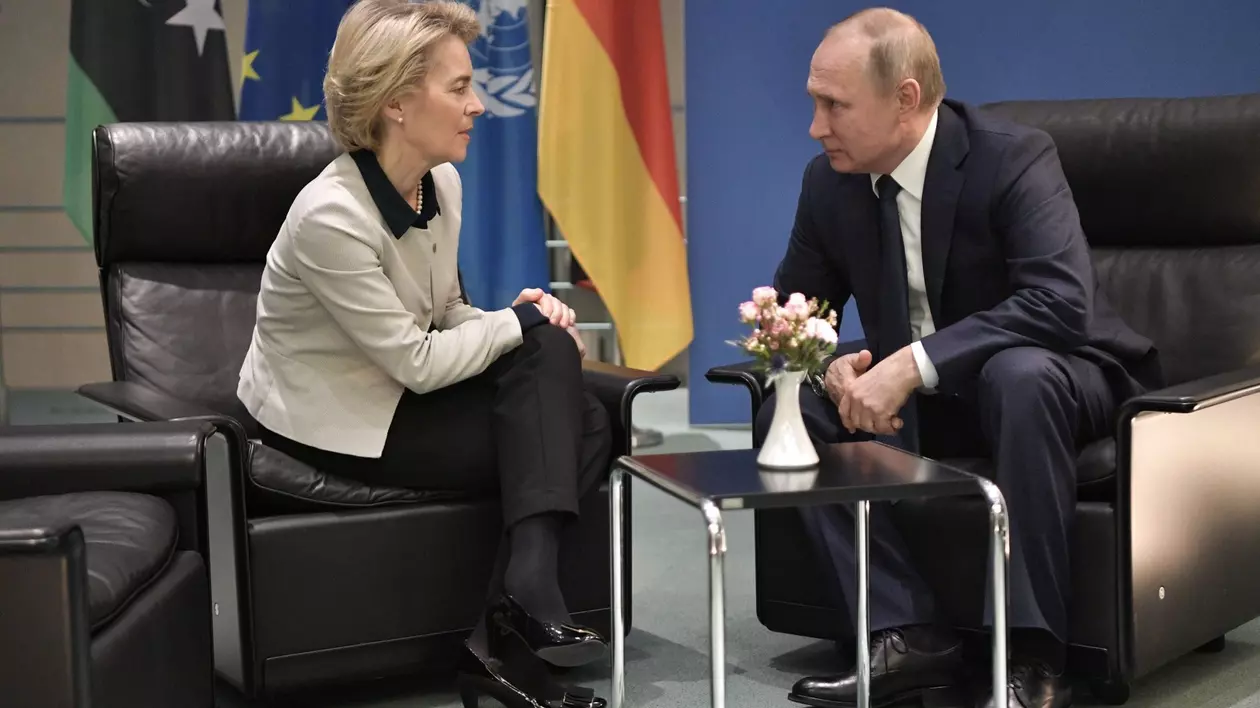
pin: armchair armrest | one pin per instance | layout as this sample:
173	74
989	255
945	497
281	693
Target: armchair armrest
139	402
1195	395
615	387
1187	486
44	629
744	374
142	457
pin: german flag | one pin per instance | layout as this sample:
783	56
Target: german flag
606	168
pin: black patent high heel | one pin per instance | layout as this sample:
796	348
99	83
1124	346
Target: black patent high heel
471	689
512	674
557	644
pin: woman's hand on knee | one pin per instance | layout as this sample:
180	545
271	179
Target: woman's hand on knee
528	295
558	313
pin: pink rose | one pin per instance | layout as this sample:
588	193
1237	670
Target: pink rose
797	308
748	311
821	330
765	295
753	344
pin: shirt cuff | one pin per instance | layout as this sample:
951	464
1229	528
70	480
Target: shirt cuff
529	315
927	370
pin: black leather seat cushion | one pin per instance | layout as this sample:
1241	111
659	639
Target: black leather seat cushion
129	539
285	484
1095	469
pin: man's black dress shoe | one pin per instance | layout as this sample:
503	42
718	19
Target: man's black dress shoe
558	644
1032	684
906	664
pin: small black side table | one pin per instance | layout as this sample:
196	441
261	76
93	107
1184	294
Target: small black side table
849	473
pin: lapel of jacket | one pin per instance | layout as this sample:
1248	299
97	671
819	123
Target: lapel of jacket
941	189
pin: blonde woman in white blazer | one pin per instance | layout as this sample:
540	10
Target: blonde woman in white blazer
365	362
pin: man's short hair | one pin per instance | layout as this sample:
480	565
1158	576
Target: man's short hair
901	48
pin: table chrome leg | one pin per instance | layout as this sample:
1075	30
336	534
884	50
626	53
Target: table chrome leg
999	555
863	514
717	604
618	639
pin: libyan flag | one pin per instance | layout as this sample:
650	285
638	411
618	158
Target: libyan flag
139	60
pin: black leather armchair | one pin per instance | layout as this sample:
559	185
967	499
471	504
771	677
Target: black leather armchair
315	579
104	595
1167	537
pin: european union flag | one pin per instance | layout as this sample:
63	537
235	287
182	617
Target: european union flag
286	53
502	248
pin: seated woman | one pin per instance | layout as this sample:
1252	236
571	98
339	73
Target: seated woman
366	363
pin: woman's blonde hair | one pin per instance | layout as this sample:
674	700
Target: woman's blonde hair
383	48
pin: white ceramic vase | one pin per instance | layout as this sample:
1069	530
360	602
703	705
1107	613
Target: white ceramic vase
787	445
788	480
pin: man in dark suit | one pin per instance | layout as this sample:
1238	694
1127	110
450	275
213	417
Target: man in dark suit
957	236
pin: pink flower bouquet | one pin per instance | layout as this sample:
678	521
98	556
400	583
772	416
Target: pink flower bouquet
796	336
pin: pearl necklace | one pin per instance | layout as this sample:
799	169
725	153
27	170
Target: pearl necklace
419	197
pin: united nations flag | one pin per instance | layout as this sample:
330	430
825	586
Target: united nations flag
502	247
286	53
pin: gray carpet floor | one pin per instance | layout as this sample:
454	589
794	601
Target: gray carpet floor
667	651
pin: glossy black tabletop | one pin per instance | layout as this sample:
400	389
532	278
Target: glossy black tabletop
847	472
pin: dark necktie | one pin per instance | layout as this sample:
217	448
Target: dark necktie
894	308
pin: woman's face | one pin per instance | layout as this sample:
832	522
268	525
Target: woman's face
437	116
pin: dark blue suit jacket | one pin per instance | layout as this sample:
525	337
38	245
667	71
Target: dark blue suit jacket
1005	260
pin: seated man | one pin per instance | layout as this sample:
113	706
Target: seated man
957	236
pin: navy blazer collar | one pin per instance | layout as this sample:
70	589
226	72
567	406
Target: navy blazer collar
942	189
952	143
398	214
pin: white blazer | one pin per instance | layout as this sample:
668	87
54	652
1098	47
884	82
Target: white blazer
359	300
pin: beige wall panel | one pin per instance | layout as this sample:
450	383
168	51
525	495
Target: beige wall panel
675	59
33	163
34	57
38	229
234	14
680	148
48	270
50	310
54	360
672	22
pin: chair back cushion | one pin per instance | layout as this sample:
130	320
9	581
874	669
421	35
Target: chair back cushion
1169	197
184	330
184	217
1201	306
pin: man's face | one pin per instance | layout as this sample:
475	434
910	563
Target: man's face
859	128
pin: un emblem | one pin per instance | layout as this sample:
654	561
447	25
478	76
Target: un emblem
503	68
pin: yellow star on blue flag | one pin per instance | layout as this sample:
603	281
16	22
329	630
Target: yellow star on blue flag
287	44
247	67
301	112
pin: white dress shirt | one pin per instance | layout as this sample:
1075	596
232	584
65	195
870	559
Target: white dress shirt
911	174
